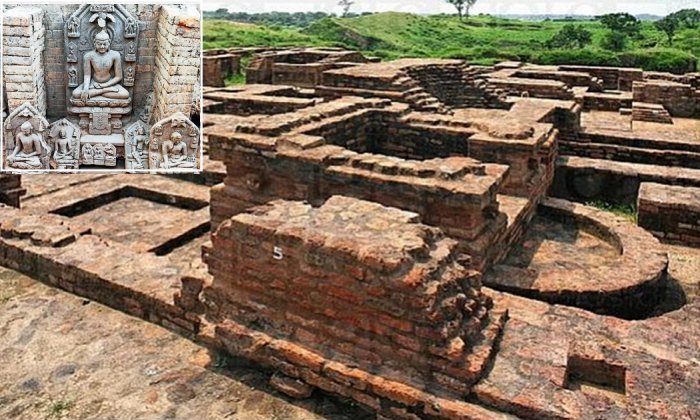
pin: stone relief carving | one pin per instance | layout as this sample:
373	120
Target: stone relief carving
136	146
64	141
71	53
130	28
104	71
129	77
98	68
98	154
110	155
72	76
25	145
73	27
88	154
101	52
130	51
174	144
147	109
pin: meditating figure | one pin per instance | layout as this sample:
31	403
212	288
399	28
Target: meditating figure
27	153
64	149
98	67
175	153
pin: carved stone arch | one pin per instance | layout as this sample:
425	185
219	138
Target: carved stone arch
22	114
101	115
72	135
162	134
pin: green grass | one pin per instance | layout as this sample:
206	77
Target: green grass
59	408
239	78
480	39
626	211
224	34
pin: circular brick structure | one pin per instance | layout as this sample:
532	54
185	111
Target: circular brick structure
580	256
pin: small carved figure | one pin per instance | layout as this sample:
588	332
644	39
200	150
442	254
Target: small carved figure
88	154
63	153
139	152
147	109
110	155
158	130
27	153
130	28
129	78
72	76
73	25
130	52
98	66
71	56
174	153
99	154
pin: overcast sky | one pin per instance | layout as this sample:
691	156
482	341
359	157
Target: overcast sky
500	7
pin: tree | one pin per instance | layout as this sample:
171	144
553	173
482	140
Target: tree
462	6
614	41
690	18
571	36
346	5
621	22
468	6
668	25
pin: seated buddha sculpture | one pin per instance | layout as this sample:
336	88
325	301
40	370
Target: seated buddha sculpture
64	149
27	152
102	71
175	153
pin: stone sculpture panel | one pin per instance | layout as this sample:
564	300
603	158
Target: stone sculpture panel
174	144
64	141
136	146
101	47
24	139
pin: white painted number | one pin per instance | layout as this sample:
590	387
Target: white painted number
277	253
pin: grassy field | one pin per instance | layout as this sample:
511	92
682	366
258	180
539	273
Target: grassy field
480	39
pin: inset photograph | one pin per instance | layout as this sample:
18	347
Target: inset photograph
108	87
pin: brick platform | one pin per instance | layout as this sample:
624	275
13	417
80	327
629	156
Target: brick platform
11	189
333	294
671	213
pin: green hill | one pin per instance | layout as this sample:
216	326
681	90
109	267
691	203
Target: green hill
480	39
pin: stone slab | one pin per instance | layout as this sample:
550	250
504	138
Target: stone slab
114	138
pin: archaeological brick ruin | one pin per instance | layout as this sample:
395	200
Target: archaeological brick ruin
85	85
417	238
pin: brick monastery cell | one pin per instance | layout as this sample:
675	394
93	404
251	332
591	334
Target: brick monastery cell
411	236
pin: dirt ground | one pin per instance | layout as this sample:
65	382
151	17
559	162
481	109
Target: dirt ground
65	357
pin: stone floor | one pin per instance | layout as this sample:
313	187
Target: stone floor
65	357
549	245
684	268
683	130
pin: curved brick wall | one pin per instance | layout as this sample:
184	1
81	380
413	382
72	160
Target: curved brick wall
626	286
